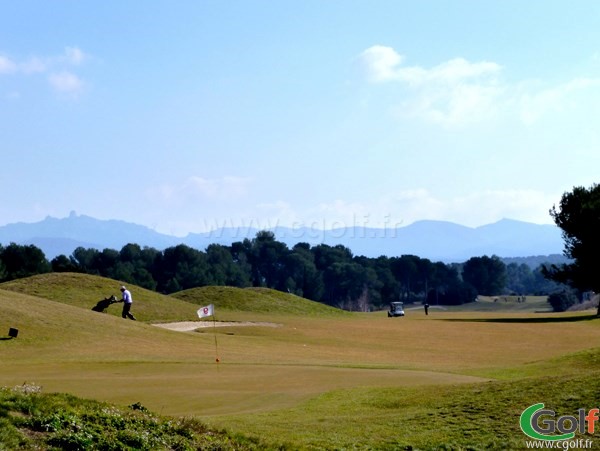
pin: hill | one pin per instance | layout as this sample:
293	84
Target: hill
62	332
84	291
256	300
435	240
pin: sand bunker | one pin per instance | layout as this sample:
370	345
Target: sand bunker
187	326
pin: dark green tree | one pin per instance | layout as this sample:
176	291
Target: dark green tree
445	287
2	265
454	292
135	265
390	288
519	278
486	274
267	256
62	263
86	259
578	216
328	261
223	270
406	271
240	251
23	261
303	278
326	255
181	267
106	261
542	285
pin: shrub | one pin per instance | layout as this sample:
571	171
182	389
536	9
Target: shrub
30	419
562	300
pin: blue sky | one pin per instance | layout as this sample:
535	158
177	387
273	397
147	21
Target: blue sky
185	116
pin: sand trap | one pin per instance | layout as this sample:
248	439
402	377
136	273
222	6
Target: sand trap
186	326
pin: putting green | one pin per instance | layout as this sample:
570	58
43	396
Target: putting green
212	389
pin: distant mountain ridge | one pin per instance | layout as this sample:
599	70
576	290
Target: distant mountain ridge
435	240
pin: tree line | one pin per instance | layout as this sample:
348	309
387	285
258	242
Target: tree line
323	273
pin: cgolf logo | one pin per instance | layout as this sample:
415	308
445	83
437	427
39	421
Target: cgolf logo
540	424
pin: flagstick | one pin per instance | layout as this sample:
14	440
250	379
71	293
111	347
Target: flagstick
216	345
203	312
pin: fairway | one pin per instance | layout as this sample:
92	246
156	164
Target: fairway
303	364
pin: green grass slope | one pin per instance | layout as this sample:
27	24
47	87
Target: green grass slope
84	291
256	300
51	331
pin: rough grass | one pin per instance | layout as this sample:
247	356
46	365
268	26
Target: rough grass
318	381
32	420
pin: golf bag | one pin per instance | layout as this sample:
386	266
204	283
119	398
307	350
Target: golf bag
104	303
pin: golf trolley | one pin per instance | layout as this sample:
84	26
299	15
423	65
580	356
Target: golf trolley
104	303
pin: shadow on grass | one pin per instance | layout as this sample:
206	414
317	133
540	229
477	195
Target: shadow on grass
545	319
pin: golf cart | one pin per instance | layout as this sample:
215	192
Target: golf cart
396	309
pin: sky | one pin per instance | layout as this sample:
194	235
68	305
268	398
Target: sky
187	116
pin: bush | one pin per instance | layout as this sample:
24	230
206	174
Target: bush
562	300
30	419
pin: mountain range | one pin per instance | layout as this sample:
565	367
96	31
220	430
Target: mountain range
435	240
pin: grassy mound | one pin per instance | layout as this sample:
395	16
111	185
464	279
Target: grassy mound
30	419
52	331
83	290
258	300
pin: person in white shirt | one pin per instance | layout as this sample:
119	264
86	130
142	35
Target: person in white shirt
127	300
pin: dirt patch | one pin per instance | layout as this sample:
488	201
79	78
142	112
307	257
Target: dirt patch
187	326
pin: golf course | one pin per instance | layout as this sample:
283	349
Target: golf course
289	373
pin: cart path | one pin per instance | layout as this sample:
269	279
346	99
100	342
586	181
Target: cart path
187	326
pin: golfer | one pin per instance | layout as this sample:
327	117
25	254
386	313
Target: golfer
127	300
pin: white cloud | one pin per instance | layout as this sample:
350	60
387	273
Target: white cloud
66	82
33	65
533	106
453	106
452	93
381	63
74	55
7	66
459	70
56	68
458	92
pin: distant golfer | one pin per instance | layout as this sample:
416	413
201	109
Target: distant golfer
127	300
426	308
